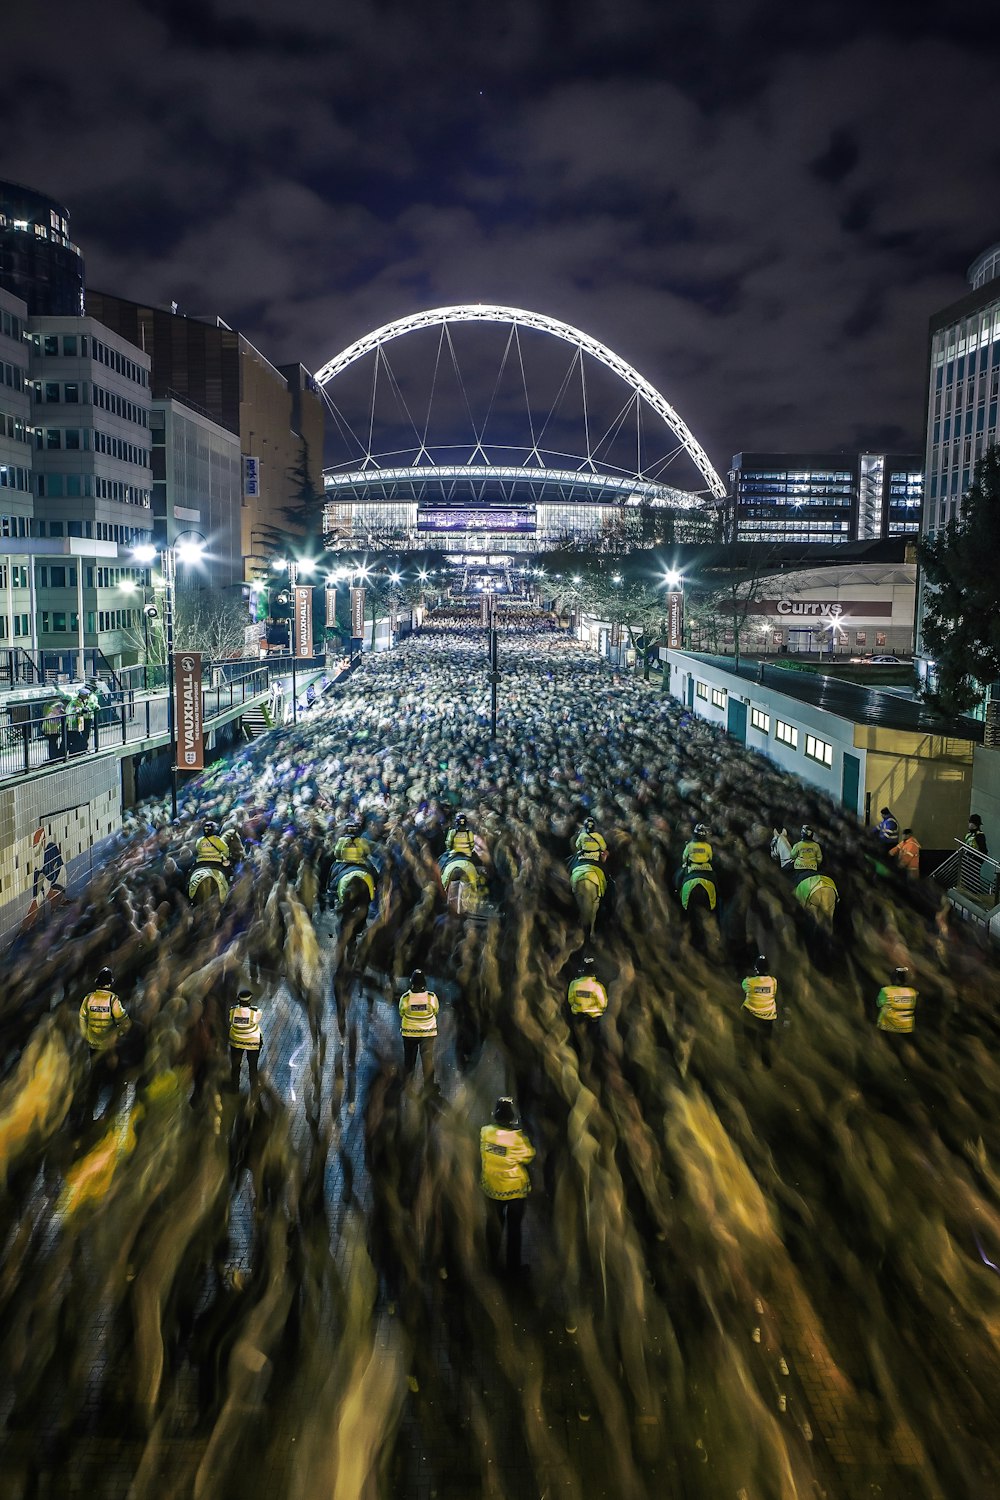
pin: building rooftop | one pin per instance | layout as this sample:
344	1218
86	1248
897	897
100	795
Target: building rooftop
849	700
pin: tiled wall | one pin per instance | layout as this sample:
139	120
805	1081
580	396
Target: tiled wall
69	811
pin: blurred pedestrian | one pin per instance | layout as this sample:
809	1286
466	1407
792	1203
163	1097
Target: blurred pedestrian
896	1004
907	851
888	828
504	1151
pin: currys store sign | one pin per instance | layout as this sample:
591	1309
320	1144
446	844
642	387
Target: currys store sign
811	607
820	609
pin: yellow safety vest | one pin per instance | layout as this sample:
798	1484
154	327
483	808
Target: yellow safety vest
590	845
807	855
212	850
697	854
102	1019
896	1005
352	850
244	1028
760	991
504	1154
460	841
418	1010
587	996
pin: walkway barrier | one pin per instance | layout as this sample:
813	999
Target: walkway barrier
32	735
972	881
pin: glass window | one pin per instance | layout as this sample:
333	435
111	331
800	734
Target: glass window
817	749
55	528
719	697
69	343
701	690
50	343
760	720
59	619
58	576
46	621
71	437
53	437
72	391
786	733
52	390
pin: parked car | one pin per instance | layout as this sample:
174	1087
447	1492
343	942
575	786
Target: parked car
880	661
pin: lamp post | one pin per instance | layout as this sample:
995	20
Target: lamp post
187	552
294	566
149	612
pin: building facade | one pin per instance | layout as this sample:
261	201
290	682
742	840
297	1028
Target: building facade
276	414
825	497
197	479
38	261
16	480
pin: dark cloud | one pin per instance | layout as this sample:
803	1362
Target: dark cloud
759	206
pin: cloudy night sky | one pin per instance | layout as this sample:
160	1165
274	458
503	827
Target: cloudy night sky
757	205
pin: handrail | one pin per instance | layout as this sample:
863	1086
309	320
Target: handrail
971	874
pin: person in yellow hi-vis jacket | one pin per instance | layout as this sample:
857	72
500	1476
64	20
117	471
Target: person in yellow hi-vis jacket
103	1018
418	1013
759	1012
245	1039
897	1003
504	1153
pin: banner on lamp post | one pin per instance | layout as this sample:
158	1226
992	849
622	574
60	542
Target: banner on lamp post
484	609
675	620
358	614
188	711
616	635
331	609
303	621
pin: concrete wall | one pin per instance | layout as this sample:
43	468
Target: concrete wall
50	829
925	778
986	795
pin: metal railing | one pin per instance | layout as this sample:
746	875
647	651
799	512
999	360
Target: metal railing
972	875
37	734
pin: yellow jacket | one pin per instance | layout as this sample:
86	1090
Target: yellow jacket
419	1011
587	996
896	1005
460	841
760	991
103	1019
244	1028
352	849
212	850
807	855
697	855
504	1154
591	845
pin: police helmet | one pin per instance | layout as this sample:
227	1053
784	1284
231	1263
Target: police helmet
587	966
899	976
353	828
105	979
975	818
417	980
505	1113
461	821
760	966
700	831
209	827
589	825
245	995
806	831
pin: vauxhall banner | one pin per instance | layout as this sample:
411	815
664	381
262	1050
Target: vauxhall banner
358	614
303	621
675	620
484	609
331	609
187	711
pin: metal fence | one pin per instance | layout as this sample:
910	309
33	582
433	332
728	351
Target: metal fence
33	735
971	874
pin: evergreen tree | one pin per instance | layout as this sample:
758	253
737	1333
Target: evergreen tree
961	622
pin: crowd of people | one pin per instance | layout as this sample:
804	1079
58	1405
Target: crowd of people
735	1172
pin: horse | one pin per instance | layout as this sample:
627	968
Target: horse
464	883
353	889
816	894
589	884
208	884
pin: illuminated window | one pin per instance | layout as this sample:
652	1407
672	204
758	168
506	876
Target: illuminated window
786	733
819	750
701	690
718	697
760	720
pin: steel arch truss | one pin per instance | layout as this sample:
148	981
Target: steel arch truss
422	482
440	317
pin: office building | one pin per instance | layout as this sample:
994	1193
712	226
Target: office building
962	391
217	372
197	477
825	497
38	261
16	492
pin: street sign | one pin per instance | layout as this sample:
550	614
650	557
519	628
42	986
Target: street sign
675	620
188	711
358	614
303	621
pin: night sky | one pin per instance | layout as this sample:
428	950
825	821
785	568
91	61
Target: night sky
758	205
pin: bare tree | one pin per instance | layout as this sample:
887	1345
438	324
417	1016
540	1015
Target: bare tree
211	621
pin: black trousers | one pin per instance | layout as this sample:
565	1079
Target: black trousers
236	1056
757	1037
423	1046
507	1214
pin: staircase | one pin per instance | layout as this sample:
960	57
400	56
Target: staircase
972	882
257	721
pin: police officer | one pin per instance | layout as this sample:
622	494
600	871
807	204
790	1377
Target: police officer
352	848
504	1153
245	1039
587	996
590	842
896	1005
211	848
103	1018
697	851
759	1012
460	838
418	1013
907	851
976	838
807	856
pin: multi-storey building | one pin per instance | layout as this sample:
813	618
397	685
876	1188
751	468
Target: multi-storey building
276	414
963	390
197	479
825	497
38	261
16	491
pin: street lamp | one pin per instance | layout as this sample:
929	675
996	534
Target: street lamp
186	548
